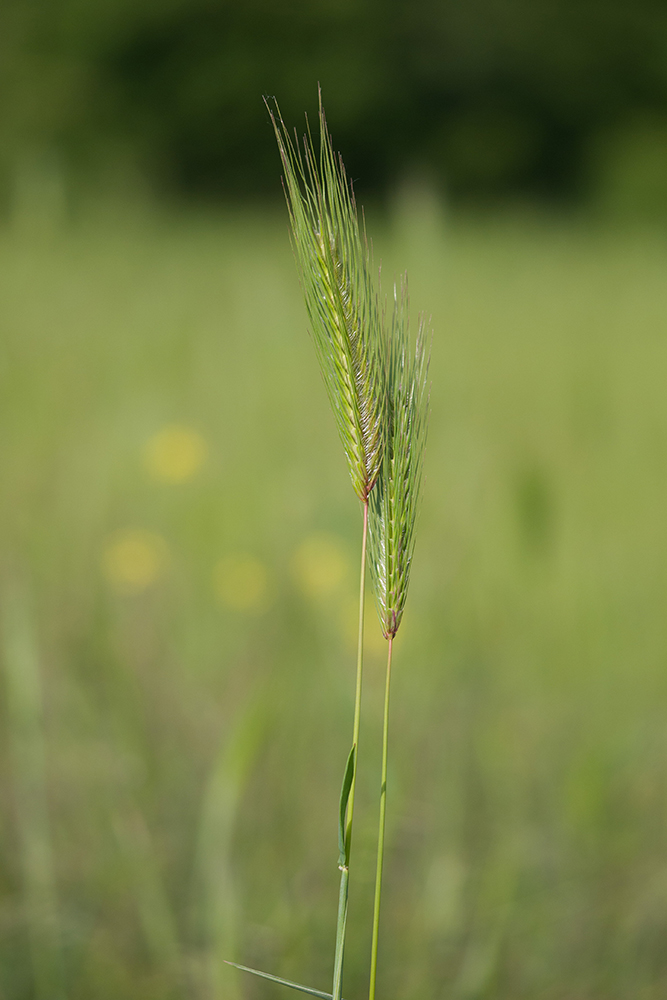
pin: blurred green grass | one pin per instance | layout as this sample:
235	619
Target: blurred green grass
179	755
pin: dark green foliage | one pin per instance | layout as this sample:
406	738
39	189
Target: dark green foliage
490	97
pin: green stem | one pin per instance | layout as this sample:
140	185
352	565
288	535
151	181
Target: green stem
383	812
360	667
341	923
341	927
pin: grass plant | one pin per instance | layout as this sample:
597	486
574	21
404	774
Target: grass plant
342	302
377	393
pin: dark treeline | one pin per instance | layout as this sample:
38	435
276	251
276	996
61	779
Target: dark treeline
491	97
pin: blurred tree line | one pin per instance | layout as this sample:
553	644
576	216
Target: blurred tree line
493	98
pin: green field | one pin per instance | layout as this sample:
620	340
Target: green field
178	548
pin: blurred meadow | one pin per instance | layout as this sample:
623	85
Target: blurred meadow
179	539
178	549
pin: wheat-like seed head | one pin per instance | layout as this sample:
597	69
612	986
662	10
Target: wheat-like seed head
394	502
341	299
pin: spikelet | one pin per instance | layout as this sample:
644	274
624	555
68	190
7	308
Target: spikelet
394	502
341	300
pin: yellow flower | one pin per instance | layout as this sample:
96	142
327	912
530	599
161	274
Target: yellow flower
320	565
241	582
133	560
175	454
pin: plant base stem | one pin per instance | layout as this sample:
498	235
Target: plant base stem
340	934
383	812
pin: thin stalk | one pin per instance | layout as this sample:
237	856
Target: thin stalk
383	813
341	923
360	668
341	927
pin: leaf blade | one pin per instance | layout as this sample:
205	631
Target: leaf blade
282	982
348	778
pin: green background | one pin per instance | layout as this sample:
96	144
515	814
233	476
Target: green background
173	801
171	753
